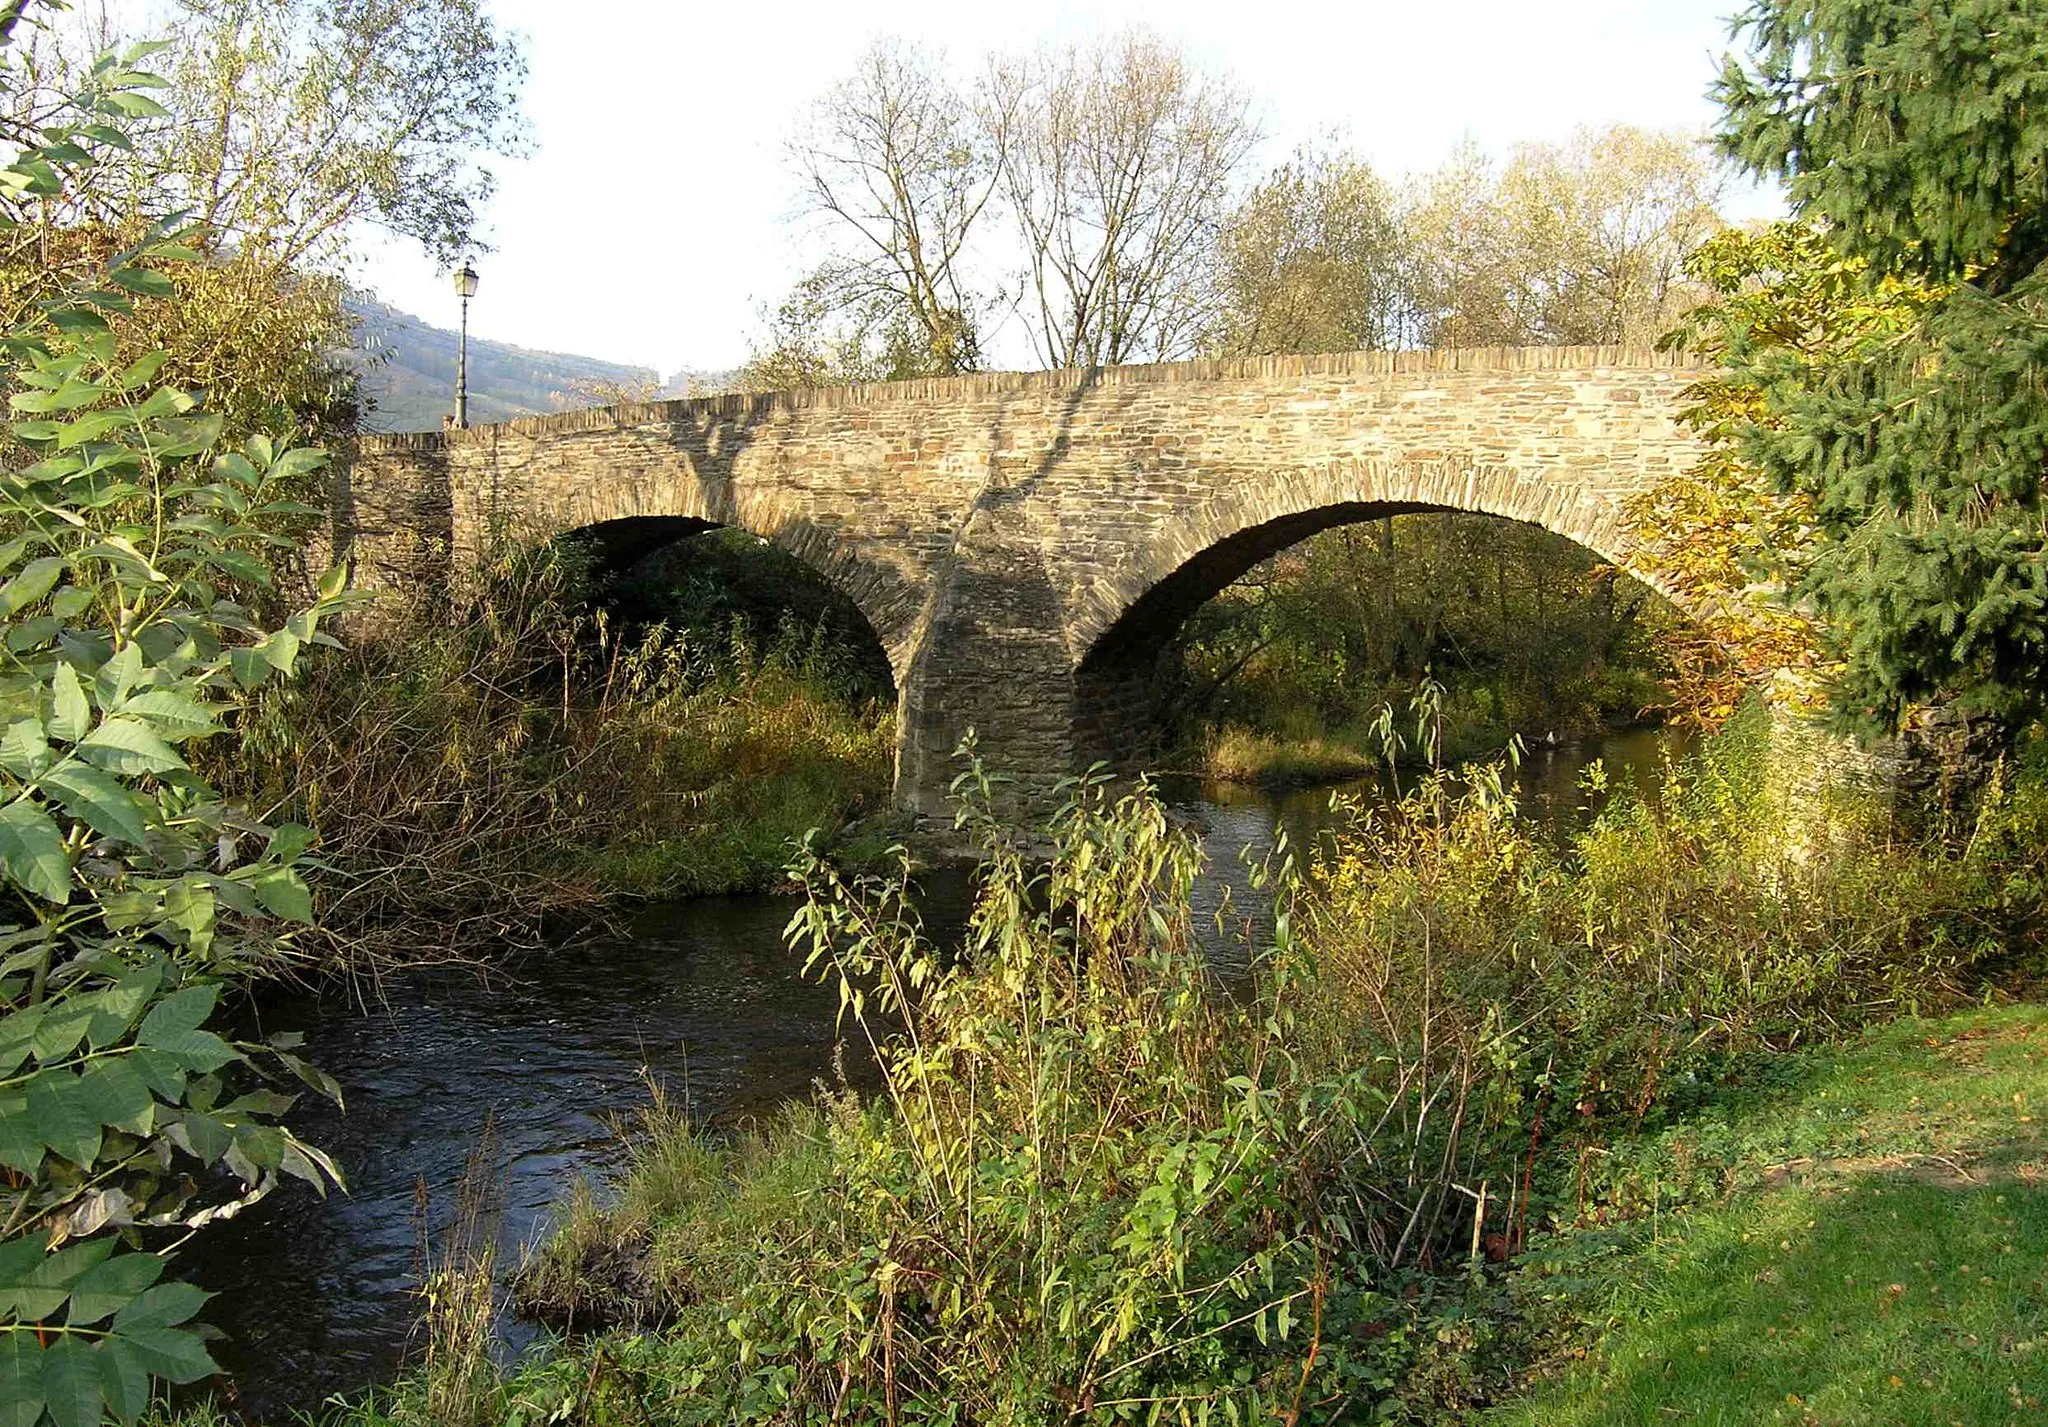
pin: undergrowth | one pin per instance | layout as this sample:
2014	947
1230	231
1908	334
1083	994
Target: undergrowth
1101	1185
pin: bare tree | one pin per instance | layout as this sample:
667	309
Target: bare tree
1312	261
901	165
1118	167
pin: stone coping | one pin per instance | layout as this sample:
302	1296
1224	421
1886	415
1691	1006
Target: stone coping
983	384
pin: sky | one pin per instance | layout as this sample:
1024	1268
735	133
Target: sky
652	222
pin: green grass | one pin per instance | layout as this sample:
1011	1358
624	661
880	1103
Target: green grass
1881	1257
1239	755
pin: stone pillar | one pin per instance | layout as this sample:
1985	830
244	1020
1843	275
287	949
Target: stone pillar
991	657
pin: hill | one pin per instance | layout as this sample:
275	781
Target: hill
407	370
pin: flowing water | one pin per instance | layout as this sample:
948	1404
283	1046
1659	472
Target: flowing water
316	1298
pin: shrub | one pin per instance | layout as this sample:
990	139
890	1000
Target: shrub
130	890
1098	1183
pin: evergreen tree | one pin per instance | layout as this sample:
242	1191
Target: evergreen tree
1916	131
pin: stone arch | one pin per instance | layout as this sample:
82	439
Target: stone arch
663	500
1126	621
623	541
995	528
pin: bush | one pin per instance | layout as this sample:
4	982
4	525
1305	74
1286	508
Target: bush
131	891
1545	992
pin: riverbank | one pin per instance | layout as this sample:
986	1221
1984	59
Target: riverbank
1849	1234
551	1045
1303	758
1463	1051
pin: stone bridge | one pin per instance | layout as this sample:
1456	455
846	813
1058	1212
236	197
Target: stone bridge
1024	544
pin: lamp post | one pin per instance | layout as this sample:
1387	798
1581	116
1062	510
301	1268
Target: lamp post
465	285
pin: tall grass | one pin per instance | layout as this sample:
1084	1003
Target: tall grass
1100	1185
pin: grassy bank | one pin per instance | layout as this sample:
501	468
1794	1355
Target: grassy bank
1860	1236
1242	755
1292	745
1481	1097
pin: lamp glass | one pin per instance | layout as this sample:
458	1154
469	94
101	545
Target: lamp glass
465	281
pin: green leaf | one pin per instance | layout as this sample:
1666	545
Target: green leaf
109	1286
289	841
250	667
180	715
112	1092
21	1148
297	462
177	1355
164	1306
242	565
164	1073
172	1028
36	579
144	369
32	852
32	632
142	281
119	1005
24	751
124	1378
21	1380
129	746
205	1137
284	893
118	675
72	714
100	801
282	650
179	1012
200	1051
37	1286
165	401
63	1117
60	1032
71	1382
19	1258
91	428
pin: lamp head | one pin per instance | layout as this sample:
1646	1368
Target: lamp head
465	280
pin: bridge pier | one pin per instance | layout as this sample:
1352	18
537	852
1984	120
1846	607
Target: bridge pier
991	657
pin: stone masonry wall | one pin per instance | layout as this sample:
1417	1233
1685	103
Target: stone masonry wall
1016	539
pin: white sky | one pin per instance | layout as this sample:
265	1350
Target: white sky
651	223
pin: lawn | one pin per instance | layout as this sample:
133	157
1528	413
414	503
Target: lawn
1875	1250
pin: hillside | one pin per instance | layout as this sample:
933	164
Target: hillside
407	370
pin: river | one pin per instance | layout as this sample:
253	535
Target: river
316	1298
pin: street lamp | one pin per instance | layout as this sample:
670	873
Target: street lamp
465	285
